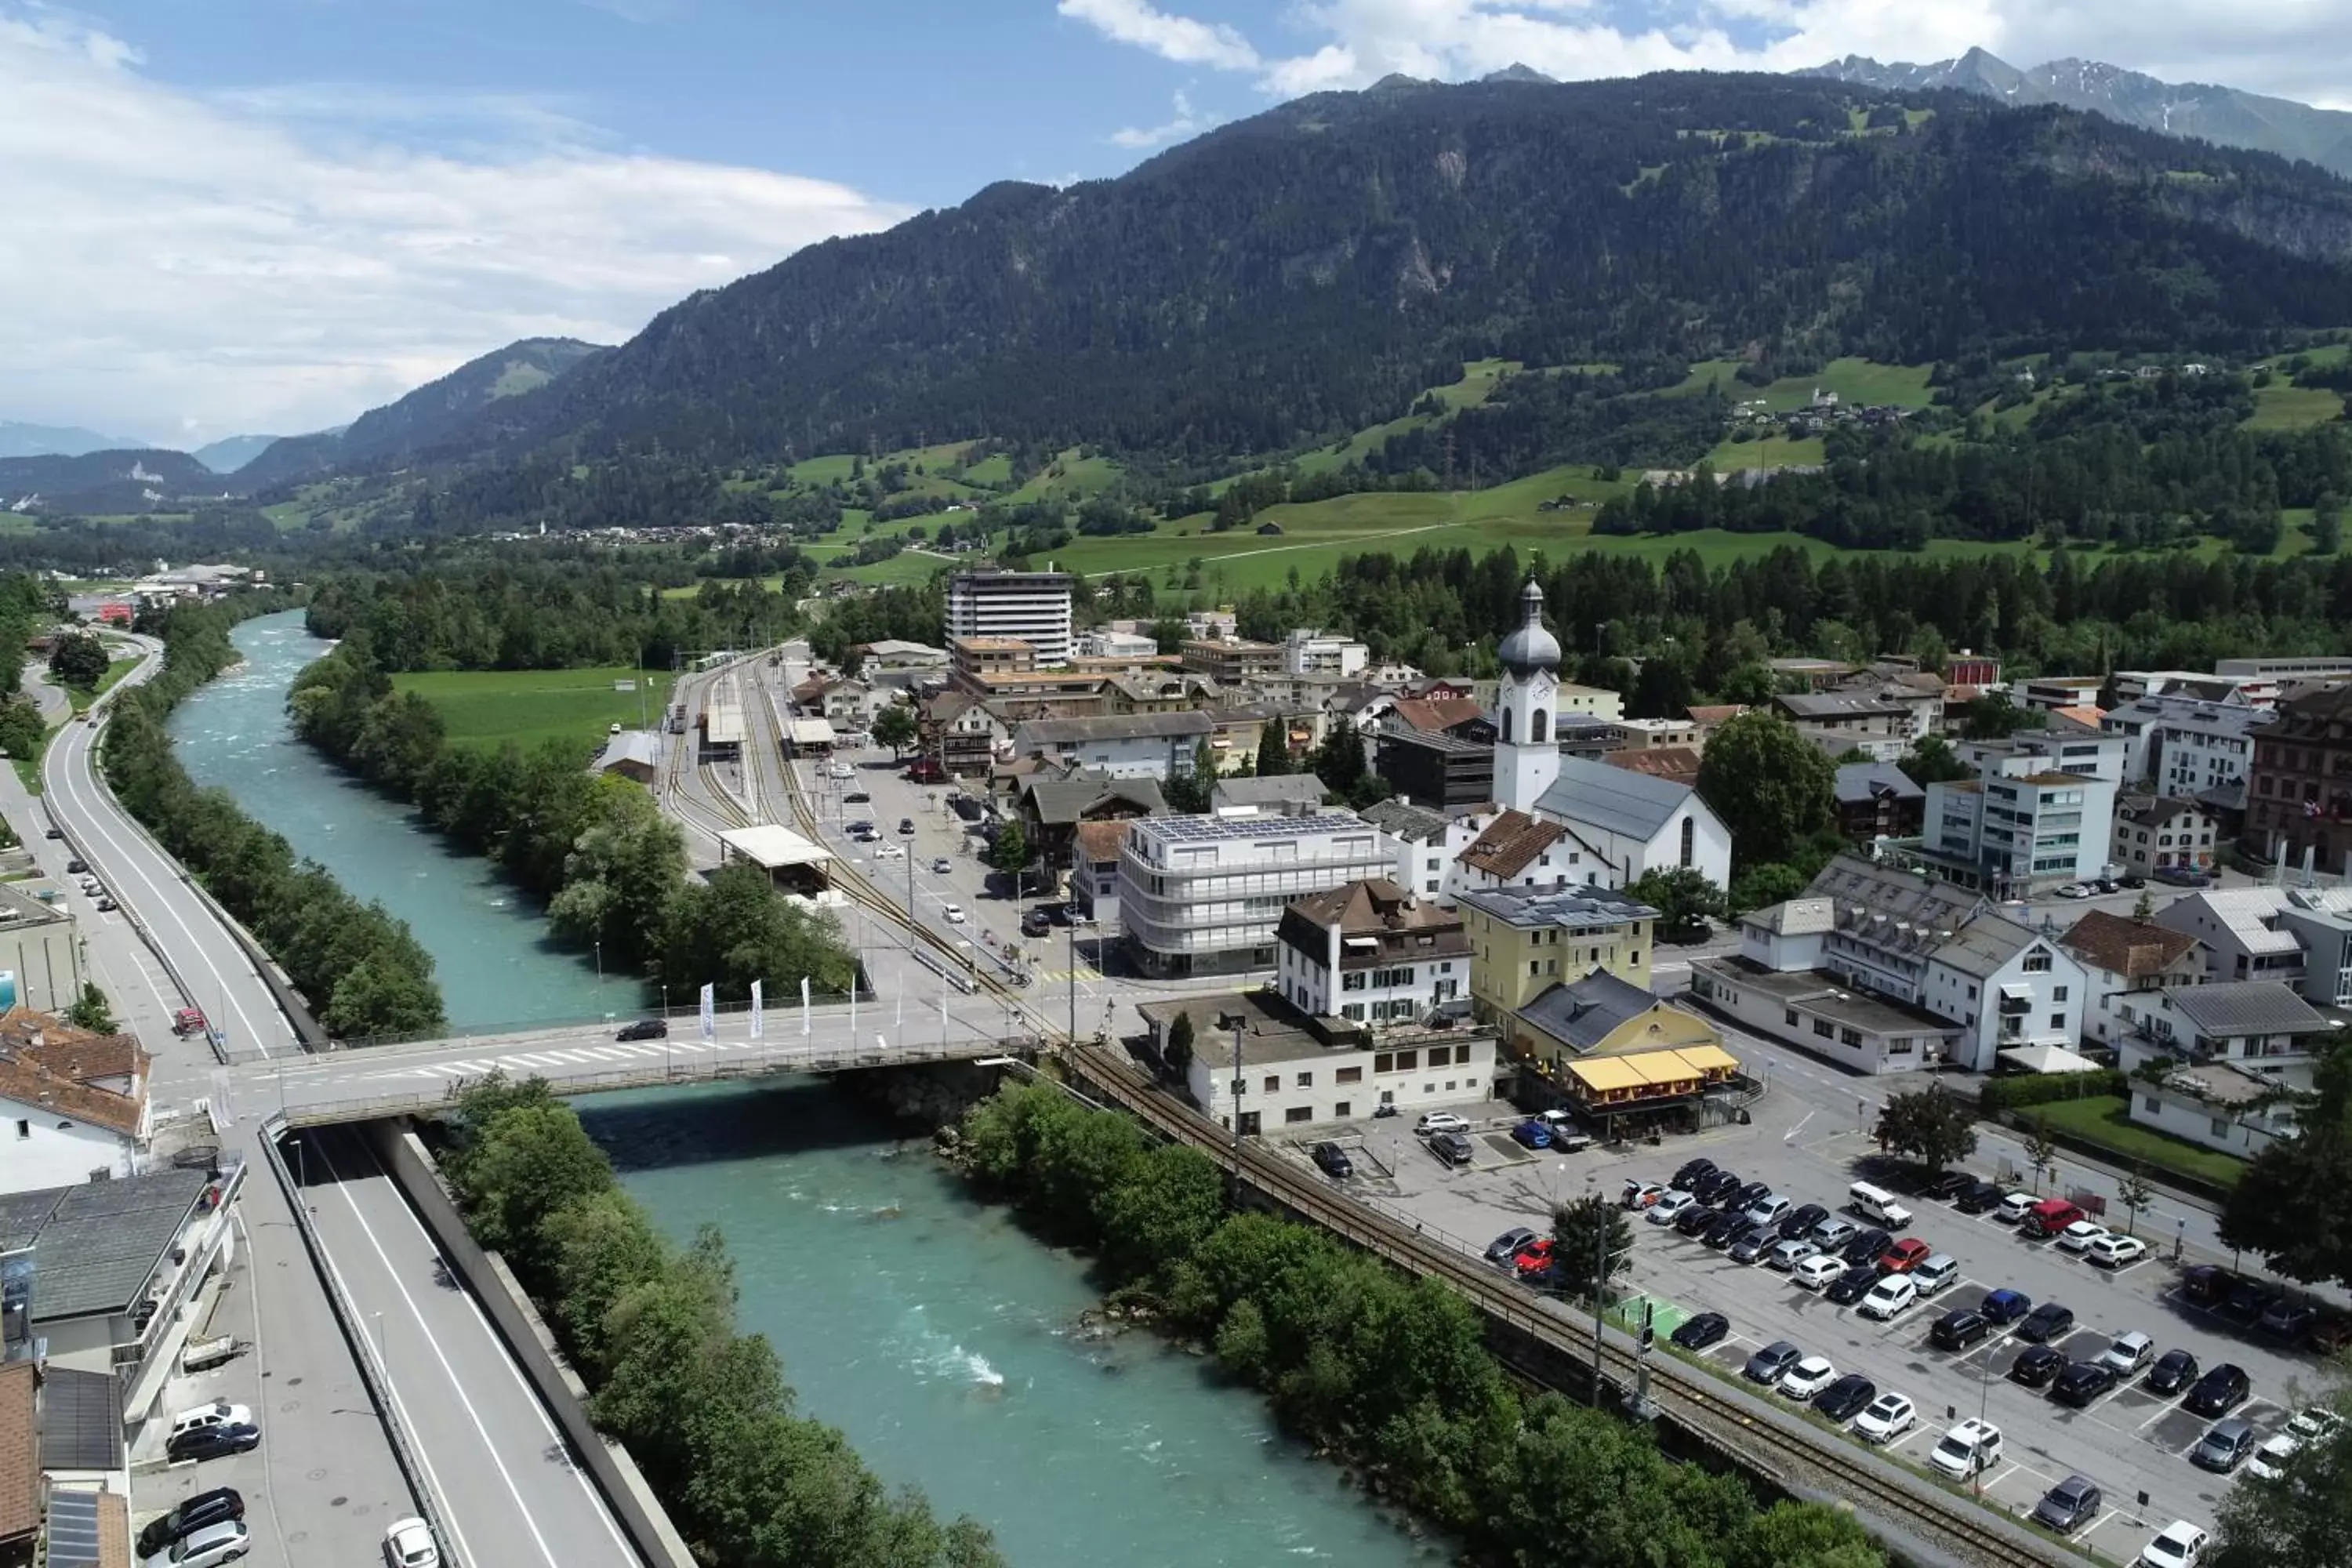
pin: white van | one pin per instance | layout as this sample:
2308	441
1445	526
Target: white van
1940	1270
1890	1298
1877	1204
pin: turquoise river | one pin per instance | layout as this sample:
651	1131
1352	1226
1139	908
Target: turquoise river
947	1344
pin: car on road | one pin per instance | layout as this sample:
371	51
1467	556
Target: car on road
1769	1363
1967	1449
2271	1458
907	826
952	913
188	1021
857	797
644	1029
2005	1306
1035	923
1889	1417
1440	1122
1959	1329
1851	1284
1904	1255
2081	1236
222	1505
1889	1298
1752	1244
1867	1248
2083	1381
2127	1353
1505	1247
1695	1220
844	771
53	833
1979	1196
2113	1251
1843	1399
2012	1209
2173	1371
2181	876
219	1413
1786	1255
1672	1207
941	866
205	1548
2220	1391
2037	1365
2225	1445
1818	1273
1807	1378
2046	1322
1333	1162
1451	1147
1697	1333
2069	1505
212	1442
409	1544
2179	1544
890	852
1533	1261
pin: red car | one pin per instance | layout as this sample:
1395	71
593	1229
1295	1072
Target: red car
188	1021
1904	1256
1534	1260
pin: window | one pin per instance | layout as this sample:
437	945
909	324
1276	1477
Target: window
1407	1061
1633	957
2057	1020
2038	962
1351	1075
1441	1056
1823	1027
1789	1016
2057	994
1298	1113
1274	1083
1306	1080
2150	1104
24	1130
1535	966
1353	981
1538	728
1849	1036
1353	1010
1344	1109
1690	833
1384	1062
2220	1127
1507	726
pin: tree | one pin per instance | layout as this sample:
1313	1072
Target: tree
1338	762
2271	1210
89	1011
2301	1518
2040	1151
1766	883
1179	1051
2144	909
21	731
1683	899
1933	760
79	661
895	727
1772	787
1274	749
1010	853
1593	1243
1993	716
1933	1127
2327	524
2136	1193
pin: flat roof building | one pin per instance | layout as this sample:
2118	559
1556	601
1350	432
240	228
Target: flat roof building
1201	895
1033	606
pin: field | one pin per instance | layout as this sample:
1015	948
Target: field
1854	380
483	707
2104	1121
1768	452
2282	408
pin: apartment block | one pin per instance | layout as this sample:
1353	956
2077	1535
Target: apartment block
2039	813
1373	954
1525	940
2185	743
1201	895
1033	606
1325	655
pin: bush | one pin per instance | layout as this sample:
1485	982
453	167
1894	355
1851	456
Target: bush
1999	1094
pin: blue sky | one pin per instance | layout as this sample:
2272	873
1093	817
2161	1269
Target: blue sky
271	215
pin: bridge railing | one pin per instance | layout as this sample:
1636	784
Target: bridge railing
782	1016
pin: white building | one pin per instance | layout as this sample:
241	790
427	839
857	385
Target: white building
2300	936
2038	814
2266	679
1201	895
1160	746
73	1105
2185	743
1372	953
1109	643
2126	962
2236	1051
1429	844
1296	1071
1031	606
2159	834
1325	654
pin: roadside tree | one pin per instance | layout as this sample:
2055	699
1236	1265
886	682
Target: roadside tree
1931	1126
895	727
1592	1242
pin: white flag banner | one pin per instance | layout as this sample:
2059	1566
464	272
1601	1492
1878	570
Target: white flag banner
759	1002
710	1012
805	1005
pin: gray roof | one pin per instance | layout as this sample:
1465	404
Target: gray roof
96	1246
1043	732
1834	705
1581	1013
1856	881
1795	917
1068	800
2245	1008
1540	907
81	1420
1278	789
631	746
1861	783
1984	944
1614	800
1402	819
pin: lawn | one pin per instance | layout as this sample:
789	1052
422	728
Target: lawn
482	708
1768	452
2280	407
115	671
2101	1119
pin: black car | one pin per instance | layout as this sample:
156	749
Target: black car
2046	1322
1979	1197
1957	1329
2288	1320
2082	1383
218	1506
1727	1230
1697	1333
2068	1506
213	1442
1852	1285
1750	1247
76	866
1334	1161
856	798
2173	1371
1694	1218
1767	1364
2036	1365
1451	1147
1717	1185
1800	1220
1748	1197
55	833
2219	1391
1867	1248
1949	1185
645	1029
907	826
1036	922
2247	1301
1692	1173
1845	1399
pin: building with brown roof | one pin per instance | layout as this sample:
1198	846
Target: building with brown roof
1679	764
1517	849
1461	717
1369	952
77	1099
1094	872
2128	960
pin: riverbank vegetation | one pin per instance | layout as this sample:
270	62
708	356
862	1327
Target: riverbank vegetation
1389	1373
363	972
703	1409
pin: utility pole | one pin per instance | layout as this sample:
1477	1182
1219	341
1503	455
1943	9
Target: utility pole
1074	979
1600	1294
1642	1410
1238	1108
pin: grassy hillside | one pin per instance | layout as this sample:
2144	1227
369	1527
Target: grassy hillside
484	707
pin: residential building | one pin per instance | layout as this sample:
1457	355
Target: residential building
2156	833
1599	1014
1094	872
1207	626
1591	701
1051	809
2124	962
1372	952
2191	685
1293	1070
1041	693
1516	850
1840	721
1463	717
1033	606
1878	800
1233	661
963	733
1275	792
73	1103
2217	1104
2299	936
1440	771
1595	740
1811	1009
1967	674
2058	691
2266	680
1676	764
992	656
1813	674
2299	802
2184	744
1525	940
1429	843
1635	824
40	954
1636	735
1160	746
2259	1026
1713	716
1200	895
2039	813
1325	654
897	655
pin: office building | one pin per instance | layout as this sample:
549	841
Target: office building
1033	606
2184	744
2039	813
1201	895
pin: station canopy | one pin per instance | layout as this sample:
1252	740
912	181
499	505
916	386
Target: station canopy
773	848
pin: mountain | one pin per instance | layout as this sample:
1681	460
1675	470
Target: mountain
123	480
227	456
17	440
2218	114
1305	272
425	419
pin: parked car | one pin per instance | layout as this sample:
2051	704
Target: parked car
645	1029
1852	1285
1692	1171
107	906
1818	1273
1807	1378
2004	1306
1334	1161
2181	876
1751	1246
2173	1371
1967	1449
2225	1445
1769	1363
1505	1247
1959	1329
2046	1322
2220	1391
1786	1255
1716	1185
2083	1381
2037	1365
1641	1195
1904	1255
2248	1300
1672	1207
2074	890
1769	1209
2288	1320
409	1544
212	1442
1532	1134
1802	1220
2068	1506
222	1505
1748	1197
1979	1196
1889	1417
1035	923
1844	1399
2081	1235
76	866
2271	1457
2014	1208
2314	1422
1451	1147
2129	1353
1439	1122
2049	1217
1699	1333
1950	1185
2179	1544
188	1021
219	1413
207	1547
1695	1220
1727	1230
2113	1251
1833	1234
1533	1261
1889	1298
1867	1248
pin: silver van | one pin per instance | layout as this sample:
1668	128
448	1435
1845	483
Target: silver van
1939	1270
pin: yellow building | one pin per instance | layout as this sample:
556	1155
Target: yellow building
1525	940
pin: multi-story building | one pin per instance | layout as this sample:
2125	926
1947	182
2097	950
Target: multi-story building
1429	844
1878	800
2125	961
2053	691
1373	954
2039	813
992	656
77	1103
1291	1069
40	954
1591	701
1159	746
963	733
1636	734
2183	744
1525	940
1201	895
2260	1024
1325	655
1440	771
2300	937
1516	850
1841	720
1107	644
2299	802
2156	833
1033	606
1231	661
2266	680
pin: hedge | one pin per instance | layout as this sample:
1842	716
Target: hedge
2008	1092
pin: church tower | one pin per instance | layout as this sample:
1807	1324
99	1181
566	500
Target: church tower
1527	750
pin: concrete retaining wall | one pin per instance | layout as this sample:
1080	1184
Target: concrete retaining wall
640	1513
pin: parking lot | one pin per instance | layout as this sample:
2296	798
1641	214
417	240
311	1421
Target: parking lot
2128	1440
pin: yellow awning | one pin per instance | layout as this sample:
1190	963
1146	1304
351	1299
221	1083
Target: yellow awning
1604	1074
1710	1058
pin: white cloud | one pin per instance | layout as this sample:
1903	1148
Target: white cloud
2294	49
282	259
1185	123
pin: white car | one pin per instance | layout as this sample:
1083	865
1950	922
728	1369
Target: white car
2179	1544
207	1548
1808	1377
2113	1251
2074	890
952	913
1966	1449
1440	1121
219	1413
844	771
1888	1417
2311	1424
2273	1456
889	852
2078	1237
409	1544
1638	1195
1890	1298
1817	1272
1666	1208
2015	1208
